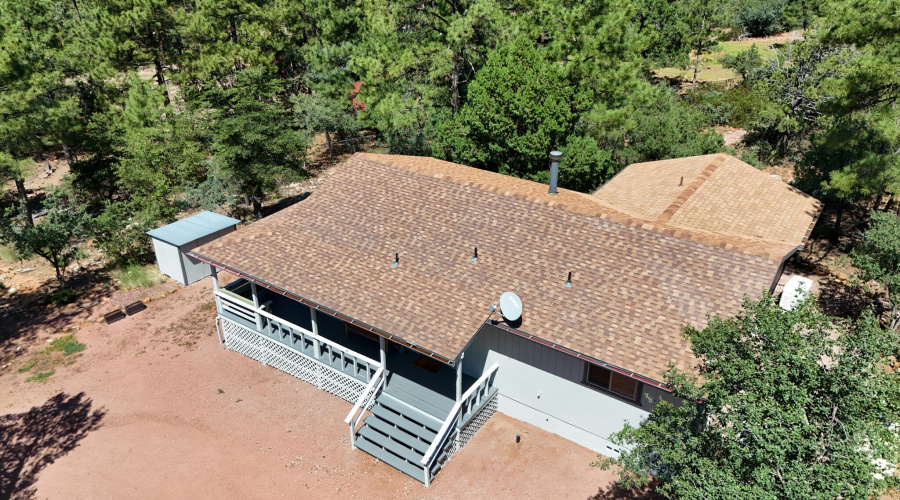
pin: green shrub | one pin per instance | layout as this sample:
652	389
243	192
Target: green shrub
760	17
746	63
135	276
751	156
62	296
122	235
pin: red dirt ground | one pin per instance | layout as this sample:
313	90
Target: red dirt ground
155	408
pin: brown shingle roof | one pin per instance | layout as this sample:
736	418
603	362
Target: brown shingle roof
633	288
719	194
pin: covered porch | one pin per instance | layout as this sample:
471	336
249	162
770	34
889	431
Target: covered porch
411	410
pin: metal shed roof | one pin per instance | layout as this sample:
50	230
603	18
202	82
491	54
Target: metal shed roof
192	228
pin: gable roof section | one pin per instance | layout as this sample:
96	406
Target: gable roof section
719	194
633	288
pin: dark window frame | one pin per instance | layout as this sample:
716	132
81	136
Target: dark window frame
638	385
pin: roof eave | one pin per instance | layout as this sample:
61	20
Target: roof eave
327	310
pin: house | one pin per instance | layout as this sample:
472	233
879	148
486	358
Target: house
382	288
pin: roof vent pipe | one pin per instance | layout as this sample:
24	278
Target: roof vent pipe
554	170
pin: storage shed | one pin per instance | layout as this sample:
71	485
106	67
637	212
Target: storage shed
172	242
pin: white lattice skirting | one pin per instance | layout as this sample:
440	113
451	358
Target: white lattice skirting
468	430
252	344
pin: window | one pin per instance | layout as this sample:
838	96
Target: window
612	381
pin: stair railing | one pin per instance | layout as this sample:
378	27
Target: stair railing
470	399
359	409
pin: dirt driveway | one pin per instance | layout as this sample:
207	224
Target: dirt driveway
155	408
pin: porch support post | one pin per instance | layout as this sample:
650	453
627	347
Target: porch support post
317	348
382	347
256	306
215	279
459	377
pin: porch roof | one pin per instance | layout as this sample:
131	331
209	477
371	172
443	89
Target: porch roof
635	283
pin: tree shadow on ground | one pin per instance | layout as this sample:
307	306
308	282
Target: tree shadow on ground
613	492
283	203
28	316
836	296
844	301
38	437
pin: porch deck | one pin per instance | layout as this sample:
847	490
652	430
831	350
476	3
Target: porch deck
428	390
414	421
429	386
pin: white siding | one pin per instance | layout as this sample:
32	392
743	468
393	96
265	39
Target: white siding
544	387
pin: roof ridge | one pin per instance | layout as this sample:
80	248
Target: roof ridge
572	201
691	188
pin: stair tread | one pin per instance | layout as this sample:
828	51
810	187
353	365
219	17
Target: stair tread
425	395
432	384
397	434
389	416
395	462
392	446
410	411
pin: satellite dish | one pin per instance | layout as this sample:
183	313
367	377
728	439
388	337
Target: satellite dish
510	306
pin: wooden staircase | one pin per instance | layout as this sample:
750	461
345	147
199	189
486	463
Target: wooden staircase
402	425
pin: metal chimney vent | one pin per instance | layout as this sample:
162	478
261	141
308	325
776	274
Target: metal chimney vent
554	170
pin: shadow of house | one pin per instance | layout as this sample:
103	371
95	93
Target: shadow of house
38	437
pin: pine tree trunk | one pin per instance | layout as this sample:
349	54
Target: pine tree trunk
257	207
836	229
328	142
454	85
699	51
161	79
68	155
23	196
40	158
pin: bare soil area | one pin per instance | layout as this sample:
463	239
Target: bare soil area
156	408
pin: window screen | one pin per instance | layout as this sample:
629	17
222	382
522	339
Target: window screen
611	381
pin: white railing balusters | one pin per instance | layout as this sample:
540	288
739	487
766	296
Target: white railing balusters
456	415
362	403
243	308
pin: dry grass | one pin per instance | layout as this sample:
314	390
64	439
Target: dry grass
133	277
711	69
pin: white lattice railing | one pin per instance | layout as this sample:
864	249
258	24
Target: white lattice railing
446	442
284	330
253	344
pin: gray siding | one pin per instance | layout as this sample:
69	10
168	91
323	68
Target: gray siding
194	269
544	387
168	258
